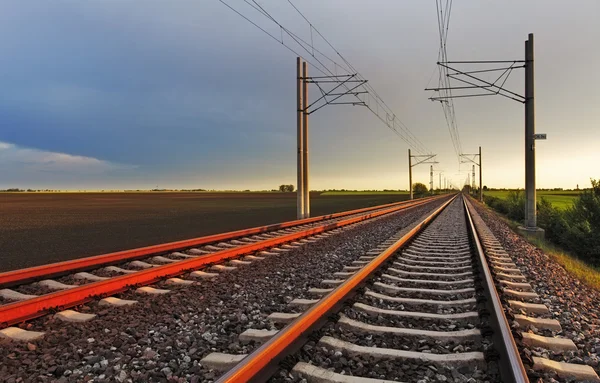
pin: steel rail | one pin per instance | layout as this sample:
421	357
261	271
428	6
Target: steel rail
511	368
253	367
11	278
25	310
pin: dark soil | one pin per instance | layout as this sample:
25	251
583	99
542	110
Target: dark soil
40	228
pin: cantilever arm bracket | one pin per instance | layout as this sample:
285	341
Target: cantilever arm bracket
474	82
468	158
329	97
425	159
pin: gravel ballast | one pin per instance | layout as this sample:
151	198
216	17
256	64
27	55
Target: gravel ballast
162	338
571	302
405	336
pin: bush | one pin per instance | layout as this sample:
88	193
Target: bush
553	221
513	207
516	205
583	218
496	203
419	189
576	229
286	188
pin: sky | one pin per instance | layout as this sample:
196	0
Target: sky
138	94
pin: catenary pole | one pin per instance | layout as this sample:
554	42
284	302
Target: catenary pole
410	186
480	180
300	154
305	140
530	213
431	178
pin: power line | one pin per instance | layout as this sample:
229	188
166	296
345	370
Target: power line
443	17
390	115
371	99
390	118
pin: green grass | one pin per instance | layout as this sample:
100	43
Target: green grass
587	274
561	199
339	193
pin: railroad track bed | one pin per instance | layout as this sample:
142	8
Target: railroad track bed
26	290
111	273
399	332
394	331
165	336
416	320
542	300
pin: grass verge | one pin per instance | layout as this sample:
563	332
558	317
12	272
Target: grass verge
589	275
559	199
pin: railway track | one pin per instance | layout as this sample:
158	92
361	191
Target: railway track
424	301
33	292
423	306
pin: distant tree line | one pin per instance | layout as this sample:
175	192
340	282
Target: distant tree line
538	189
286	188
17	190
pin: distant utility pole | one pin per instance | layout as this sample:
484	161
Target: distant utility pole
473	180
440	181
421	159
528	99
304	108
476	160
480	180
410	174
431	178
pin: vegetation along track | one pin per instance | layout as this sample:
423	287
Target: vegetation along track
29	293
423	306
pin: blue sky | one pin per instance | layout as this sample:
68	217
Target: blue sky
134	94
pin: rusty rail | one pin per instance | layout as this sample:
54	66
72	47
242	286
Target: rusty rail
21	311
11	278
263	358
511	365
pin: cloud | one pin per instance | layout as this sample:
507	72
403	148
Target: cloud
20	160
5	145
